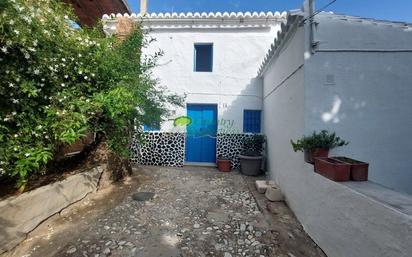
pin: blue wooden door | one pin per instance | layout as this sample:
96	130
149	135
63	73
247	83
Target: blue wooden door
201	133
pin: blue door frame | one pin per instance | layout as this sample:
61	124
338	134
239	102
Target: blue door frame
201	133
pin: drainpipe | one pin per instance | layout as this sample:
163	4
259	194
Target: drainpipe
143	7
308	8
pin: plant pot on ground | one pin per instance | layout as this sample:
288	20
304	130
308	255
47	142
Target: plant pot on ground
223	164
358	169
251	156
317	144
332	169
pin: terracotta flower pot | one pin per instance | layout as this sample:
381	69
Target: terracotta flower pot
332	169
223	165
358	169
311	154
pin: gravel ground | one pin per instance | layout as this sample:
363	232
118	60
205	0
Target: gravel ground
194	212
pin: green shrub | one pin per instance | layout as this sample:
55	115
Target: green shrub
253	145
324	139
57	83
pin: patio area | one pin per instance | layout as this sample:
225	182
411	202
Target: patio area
194	212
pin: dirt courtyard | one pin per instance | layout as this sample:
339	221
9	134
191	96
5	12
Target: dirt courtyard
193	212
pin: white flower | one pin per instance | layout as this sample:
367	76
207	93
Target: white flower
27	154
14	113
15	135
27	56
6	119
35	42
4	49
36	71
15	149
46	136
66	17
63	59
16	31
85	77
11	85
80	72
11	22
66	76
80	55
93	74
15	100
63	85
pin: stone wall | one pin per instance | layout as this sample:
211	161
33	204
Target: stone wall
159	149
168	149
21	214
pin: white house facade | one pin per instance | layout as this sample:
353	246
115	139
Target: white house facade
211	59
349	75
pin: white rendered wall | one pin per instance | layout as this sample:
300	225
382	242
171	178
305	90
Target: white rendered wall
232	85
363	90
343	221
369	104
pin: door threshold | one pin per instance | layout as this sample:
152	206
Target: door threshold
202	164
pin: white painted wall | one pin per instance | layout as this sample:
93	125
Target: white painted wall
370	105
232	85
342	219
369	101
283	108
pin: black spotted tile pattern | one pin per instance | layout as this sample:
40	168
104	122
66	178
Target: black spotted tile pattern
159	149
168	148
230	146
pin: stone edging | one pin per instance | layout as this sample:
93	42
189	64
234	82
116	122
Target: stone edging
21	214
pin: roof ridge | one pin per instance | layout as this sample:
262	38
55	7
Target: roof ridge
360	18
198	15
282	35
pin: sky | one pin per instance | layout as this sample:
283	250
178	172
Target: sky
395	10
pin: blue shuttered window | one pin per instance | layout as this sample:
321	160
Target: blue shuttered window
203	57
251	121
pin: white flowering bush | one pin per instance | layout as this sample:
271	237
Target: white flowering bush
57	83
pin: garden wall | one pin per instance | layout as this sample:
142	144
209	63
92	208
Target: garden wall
21	214
168	149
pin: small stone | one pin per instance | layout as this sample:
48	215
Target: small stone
71	250
227	255
106	227
106	251
196	225
242	227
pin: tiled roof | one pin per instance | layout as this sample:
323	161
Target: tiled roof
203	15
292	20
198	20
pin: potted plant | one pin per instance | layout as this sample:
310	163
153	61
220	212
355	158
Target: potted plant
358	169
223	163
251	155
317	144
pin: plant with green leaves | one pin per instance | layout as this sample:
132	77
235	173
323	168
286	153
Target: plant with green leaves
321	140
58	83
253	145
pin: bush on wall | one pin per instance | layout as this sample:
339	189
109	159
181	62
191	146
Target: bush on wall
58	82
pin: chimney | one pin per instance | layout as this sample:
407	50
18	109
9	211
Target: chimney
143	7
